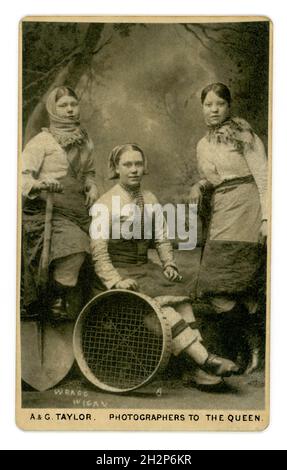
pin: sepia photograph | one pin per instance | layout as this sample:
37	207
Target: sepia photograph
144	206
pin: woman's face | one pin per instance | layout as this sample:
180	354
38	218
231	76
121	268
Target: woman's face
215	109
67	106
130	168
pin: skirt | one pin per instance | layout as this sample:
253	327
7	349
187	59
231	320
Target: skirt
232	253
70	225
151	280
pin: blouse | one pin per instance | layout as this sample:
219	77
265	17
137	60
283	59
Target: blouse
99	246
43	156
218	162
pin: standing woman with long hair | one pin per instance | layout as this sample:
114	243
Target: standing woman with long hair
60	160
232	164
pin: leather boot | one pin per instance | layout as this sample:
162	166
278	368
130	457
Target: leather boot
255	339
209	376
223	334
195	376
203	381
232	325
58	305
219	366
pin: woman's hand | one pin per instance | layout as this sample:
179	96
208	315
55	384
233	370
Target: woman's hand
172	274
263	232
129	284
92	194
48	184
195	195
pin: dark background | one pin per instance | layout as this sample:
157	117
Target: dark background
142	83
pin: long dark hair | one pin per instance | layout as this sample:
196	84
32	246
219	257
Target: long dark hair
221	90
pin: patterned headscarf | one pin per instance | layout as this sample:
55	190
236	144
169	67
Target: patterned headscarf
66	130
115	154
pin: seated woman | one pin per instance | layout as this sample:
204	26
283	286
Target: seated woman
121	262
59	160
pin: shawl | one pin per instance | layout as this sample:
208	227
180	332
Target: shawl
234	131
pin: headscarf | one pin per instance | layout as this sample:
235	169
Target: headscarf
118	150
234	131
66	131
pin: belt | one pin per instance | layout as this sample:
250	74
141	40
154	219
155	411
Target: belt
235	182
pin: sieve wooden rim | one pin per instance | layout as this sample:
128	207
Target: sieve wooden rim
77	341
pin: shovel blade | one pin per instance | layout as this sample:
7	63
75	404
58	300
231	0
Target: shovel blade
46	353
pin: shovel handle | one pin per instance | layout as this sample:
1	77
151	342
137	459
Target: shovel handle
44	268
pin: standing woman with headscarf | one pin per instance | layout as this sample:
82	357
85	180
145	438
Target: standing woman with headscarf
60	160
232	163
